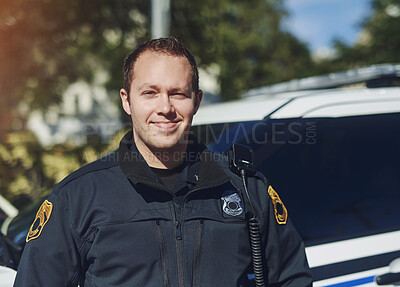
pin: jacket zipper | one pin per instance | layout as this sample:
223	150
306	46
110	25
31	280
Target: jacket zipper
197	255
179	243
179	236
163	256
178	233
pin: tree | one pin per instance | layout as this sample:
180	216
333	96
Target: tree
244	38
47	44
28	168
380	39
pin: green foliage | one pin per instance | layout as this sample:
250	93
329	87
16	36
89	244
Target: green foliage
379	42
47	44
20	165
26	168
244	38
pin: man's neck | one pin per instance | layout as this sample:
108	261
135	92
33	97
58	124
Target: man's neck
163	158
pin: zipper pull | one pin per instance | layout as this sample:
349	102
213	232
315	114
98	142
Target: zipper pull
178	231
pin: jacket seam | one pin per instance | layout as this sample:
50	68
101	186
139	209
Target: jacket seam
68	180
94	227
83	241
76	272
197	256
161	243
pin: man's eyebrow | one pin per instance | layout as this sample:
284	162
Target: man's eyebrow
155	87
179	90
147	86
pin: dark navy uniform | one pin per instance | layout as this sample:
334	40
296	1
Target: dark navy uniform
113	223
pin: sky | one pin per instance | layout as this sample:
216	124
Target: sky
318	22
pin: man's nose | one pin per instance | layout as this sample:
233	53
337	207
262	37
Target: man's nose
164	104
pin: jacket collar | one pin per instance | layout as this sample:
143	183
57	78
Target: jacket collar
203	172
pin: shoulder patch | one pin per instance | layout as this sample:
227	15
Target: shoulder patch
42	216
279	208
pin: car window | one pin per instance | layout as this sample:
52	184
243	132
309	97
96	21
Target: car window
346	183
338	177
219	137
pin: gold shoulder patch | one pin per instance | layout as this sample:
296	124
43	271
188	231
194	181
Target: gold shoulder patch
280	209
42	216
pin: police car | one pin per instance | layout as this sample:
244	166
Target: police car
330	145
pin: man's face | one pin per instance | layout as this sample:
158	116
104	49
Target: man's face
161	102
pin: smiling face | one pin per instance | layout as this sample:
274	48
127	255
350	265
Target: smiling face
161	102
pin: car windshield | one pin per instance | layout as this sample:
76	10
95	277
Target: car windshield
338	177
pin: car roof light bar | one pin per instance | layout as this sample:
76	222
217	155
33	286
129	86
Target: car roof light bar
332	80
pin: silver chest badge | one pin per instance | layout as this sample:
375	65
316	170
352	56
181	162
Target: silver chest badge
232	204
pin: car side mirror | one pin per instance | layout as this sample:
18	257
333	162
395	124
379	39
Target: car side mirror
392	277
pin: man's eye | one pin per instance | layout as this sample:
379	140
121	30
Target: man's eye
148	93
179	95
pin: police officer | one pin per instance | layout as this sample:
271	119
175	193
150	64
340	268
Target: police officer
161	210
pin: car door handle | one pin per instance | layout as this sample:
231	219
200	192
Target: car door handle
388	278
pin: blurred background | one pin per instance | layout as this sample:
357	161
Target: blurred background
60	66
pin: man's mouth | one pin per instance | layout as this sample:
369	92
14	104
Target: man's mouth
165	125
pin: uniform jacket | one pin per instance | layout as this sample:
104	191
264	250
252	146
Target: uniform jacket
111	223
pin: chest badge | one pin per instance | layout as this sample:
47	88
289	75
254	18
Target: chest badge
232	205
42	216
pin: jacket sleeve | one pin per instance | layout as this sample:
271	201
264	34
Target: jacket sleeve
51	255
285	256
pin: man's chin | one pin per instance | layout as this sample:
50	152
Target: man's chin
168	145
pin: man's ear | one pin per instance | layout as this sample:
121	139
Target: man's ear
125	101
198	101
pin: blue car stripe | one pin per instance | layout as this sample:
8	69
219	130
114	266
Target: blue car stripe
353	266
351	283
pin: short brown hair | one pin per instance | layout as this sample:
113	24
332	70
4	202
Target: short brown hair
170	46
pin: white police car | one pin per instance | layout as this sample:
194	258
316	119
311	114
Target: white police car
333	155
7	276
